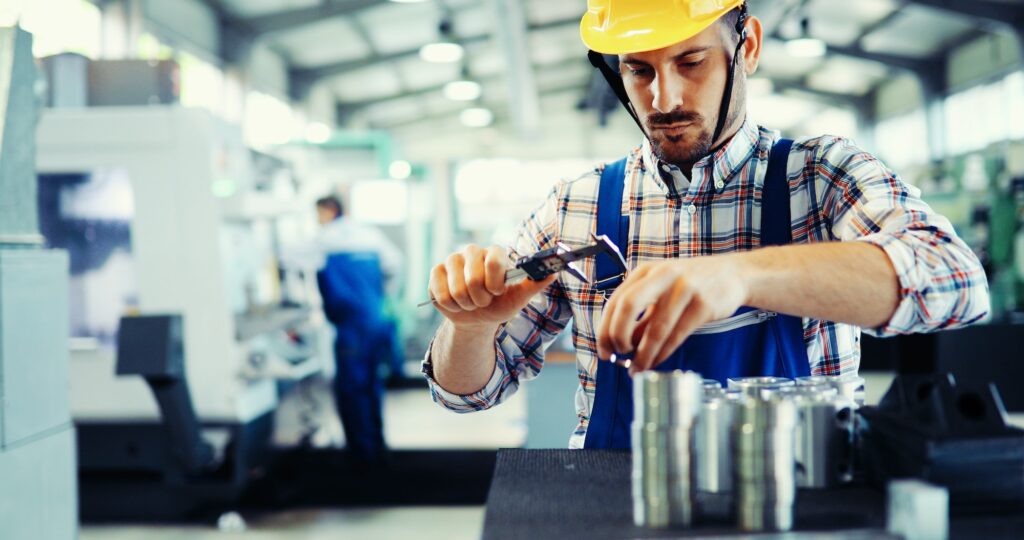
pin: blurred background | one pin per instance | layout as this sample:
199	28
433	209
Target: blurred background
181	147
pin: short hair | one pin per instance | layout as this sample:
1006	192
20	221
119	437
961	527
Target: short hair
331	203
729	20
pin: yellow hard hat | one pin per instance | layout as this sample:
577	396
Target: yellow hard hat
629	26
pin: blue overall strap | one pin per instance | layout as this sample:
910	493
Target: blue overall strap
776	220
612	223
615	226
777	230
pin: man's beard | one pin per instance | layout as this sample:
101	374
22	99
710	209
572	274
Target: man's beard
688	148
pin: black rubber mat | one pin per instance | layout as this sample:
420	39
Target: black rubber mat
568	494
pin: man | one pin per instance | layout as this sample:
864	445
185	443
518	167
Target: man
692	210
355	261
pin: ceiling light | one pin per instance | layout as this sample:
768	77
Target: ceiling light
400	169
462	90
476	117
806	48
318	133
441	53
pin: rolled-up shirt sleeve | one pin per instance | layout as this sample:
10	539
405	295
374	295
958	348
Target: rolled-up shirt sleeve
941	282
520	343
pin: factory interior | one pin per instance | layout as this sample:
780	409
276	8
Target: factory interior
222	224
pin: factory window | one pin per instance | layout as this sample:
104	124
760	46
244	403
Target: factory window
76	29
383	202
202	84
1014	91
985	114
903	141
267	121
493	195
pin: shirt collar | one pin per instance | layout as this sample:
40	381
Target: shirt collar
722	165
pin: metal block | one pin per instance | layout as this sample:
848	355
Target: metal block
39	492
19	222
34	386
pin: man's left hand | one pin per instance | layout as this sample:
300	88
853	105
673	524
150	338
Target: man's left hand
660	304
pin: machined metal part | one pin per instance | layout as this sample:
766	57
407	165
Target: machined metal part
665	410
714	450
712	387
761	387
849	386
918	510
764	463
824	436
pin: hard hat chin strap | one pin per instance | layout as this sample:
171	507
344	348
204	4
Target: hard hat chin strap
615	81
723	111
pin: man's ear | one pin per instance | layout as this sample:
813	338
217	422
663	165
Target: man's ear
752	47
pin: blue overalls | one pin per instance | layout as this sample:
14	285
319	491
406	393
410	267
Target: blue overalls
351	286
750	343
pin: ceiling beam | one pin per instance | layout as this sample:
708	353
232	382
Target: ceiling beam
302	79
1002	13
348	108
295	18
491	104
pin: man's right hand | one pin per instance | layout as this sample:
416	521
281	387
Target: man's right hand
469	288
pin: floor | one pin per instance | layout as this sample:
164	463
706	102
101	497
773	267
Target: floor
425	523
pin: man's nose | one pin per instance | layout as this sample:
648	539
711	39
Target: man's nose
668	93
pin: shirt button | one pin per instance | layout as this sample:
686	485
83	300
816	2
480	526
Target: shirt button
691	209
719	184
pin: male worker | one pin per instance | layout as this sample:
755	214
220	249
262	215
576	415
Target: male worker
355	262
692	209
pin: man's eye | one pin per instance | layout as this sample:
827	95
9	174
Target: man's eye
692	64
640	72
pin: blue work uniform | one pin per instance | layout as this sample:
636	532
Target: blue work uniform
352	288
750	343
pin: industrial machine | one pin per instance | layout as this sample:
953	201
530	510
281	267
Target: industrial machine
164	214
37	439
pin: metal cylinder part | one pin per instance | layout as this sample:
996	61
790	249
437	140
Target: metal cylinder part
824	432
666	407
761	387
712	438
850	386
764	463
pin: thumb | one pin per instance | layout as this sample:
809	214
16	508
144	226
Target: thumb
522	292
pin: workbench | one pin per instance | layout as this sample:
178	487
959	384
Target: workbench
568	494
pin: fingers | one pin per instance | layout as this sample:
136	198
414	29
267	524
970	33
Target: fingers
455	267
661	327
495	265
475	277
438	287
695	315
472	279
624	309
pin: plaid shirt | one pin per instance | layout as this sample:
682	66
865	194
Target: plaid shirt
837	193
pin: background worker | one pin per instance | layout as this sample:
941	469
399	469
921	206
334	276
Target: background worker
790	248
356	261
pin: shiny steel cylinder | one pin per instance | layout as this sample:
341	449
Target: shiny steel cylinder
850	387
665	410
761	387
823	437
713	447
764	456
